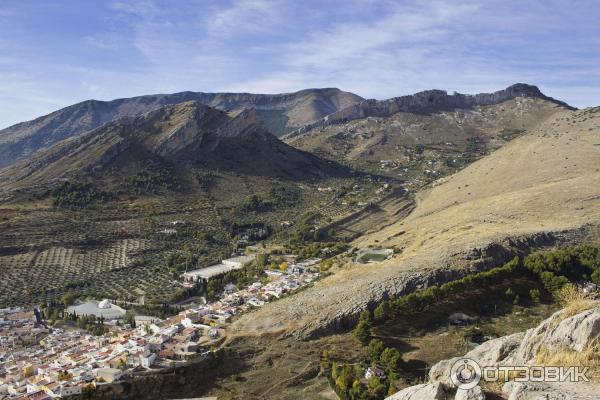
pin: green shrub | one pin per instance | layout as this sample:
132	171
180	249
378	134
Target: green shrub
535	296
78	195
362	331
390	358
382	311
557	268
596	276
376	347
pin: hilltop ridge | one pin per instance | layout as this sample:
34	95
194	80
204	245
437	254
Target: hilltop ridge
188	133
426	102
279	113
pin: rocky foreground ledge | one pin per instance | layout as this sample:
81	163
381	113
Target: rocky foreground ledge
561	340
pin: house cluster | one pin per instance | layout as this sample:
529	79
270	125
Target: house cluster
37	362
235	301
57	363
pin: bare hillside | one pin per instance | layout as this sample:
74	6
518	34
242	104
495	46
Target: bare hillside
541	188
545	181
423	147
184	133
279	113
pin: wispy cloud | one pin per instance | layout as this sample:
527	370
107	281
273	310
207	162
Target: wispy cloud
244	16
52	57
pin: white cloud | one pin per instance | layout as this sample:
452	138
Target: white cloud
244	16
376	48
104	41
376	57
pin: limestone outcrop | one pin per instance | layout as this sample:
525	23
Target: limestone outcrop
559	333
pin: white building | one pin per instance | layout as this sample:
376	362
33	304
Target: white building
104	304
191	278
374	372
147	359
109	374
70	390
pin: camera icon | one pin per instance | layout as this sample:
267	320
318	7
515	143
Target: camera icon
465	373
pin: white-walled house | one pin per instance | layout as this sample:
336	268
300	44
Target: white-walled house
70	390
374	372
109	374
147	359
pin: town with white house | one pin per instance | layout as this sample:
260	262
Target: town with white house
39	362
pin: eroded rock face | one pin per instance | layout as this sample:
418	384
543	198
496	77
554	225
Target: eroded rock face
489	353
427	391
559	333
556	333
428	101
471	394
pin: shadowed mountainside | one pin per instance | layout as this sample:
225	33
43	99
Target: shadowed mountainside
279	113
188	133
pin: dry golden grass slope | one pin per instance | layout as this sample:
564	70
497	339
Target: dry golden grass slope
548	180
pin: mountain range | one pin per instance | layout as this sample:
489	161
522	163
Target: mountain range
445	134
421	136
280	113
428	102
187	134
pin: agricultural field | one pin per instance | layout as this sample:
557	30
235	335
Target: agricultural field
120	249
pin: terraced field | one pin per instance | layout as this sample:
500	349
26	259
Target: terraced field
40	274
119	250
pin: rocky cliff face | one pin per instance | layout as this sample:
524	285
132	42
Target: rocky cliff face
426	102
559	333
279	112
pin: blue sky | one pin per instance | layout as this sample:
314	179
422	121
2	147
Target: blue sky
55	53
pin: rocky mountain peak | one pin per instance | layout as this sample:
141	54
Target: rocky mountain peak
186	134
244	124
427	102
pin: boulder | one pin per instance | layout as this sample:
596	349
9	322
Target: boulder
489	353
427	391
461	319
470	394
440	372
558	333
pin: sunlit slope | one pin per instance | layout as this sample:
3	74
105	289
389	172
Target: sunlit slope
547	181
